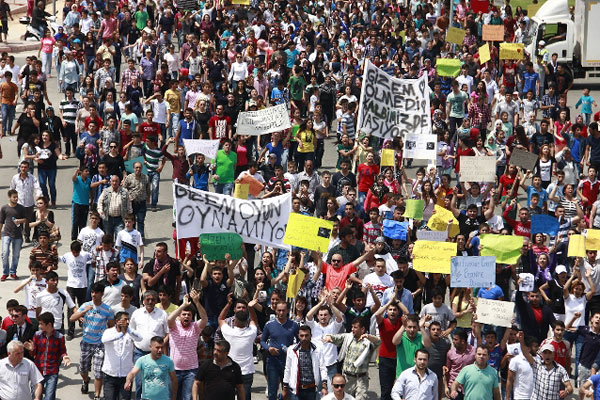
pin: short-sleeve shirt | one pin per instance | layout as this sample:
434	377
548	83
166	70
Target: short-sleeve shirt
457	104
95	322
155	376
387	330
219	383
442	314
336	277
595	379
478	384
405	352
182	344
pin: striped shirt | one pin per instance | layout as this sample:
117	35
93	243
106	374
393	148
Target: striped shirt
151	158
69	110
95	322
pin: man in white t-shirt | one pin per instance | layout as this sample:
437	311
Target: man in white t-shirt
33	285
77	281
53	300
325	325
520	381
378	280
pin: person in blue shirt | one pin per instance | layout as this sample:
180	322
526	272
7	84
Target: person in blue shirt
91	136
591	388
531	79
200	172
280	94
586	102
80	200
292	54
188	128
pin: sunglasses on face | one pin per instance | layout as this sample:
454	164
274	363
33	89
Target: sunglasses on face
339	385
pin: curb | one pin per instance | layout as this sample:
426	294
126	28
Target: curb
20	45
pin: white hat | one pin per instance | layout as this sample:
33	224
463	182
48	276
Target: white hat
542	43
560	269
547	347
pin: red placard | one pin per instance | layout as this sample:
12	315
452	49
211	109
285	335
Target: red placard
480	6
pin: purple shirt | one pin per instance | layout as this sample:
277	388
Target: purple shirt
456	361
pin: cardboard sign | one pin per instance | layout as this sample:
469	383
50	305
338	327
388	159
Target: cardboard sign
592	239
527	282
439	221
576	246
484	54
254	186
215	245
512	51
506	249
241	2
308	232
477	169
524	159
267	120
495	312
387	158
448	66
240	191
472	272
433	257
414	209
492	33
455	35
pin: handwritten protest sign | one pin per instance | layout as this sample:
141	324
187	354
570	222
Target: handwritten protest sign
495	312
215	245
267	120
129	165
435	236
391	107
471	272
524	159
308	232
493	33
433	256
257	221
439	221
187	4
484	54
414	208
547	224
512	51
576	246
506	249
240	191
200	146
477	169
254	186
455	35
448	66
395	229
387	158
592	239
420	146
294	284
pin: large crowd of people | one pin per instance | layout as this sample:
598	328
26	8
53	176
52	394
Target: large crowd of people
135	79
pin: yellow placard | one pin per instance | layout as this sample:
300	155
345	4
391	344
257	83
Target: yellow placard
576	246
241	2
506	248
439	221
484	54
512	51
294	284
455	35
387	158
308	232
433	256
592	239
240	191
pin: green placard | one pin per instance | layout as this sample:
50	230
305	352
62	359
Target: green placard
216	245
414	209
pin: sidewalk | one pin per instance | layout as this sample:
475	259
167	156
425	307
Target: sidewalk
17	30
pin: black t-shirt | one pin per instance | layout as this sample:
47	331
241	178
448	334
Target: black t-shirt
171	277
338	180
321	195
219	383
468	225
26	128
539	139
214	297
114	165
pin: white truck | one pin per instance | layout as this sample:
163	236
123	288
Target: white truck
576	42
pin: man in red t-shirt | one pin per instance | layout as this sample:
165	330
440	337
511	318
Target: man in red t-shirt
219	125
93	117
336	274
366	177
149	128
388	326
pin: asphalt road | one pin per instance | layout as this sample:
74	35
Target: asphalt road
158	228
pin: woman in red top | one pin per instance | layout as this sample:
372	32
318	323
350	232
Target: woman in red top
376	194
507	180
366	177
462	150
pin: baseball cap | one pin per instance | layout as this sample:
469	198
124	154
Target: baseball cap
547	347
560	269
542	43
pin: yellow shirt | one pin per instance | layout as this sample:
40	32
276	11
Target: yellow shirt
169	310
308	141
173	97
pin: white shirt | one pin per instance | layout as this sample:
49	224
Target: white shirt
76	269
331	396
112	293
32	289
328	350
523	386
53	303
161	110
90	238
149	325
574	304
238	71
379	284
86	25
241	340
118	351
28	189
409	386
15	381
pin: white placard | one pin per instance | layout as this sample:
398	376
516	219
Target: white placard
201	146
513	349
267	120
527	283
495	312
419	146
256	221
477	169
391	107
434	236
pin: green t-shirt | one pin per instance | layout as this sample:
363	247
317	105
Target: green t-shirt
405	352
457	104
478	384
226	166
155	376
140	19
297	85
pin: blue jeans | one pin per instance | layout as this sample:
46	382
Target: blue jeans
224	188
154	183
575	337
185	381
304	394
275	370
7	243
47	63
47	178
8	116
247	381
387	376
114	388
139	210
137	353
173	125
331	371
362	196
49	384
113	225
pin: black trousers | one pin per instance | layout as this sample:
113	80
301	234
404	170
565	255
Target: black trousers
78	296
